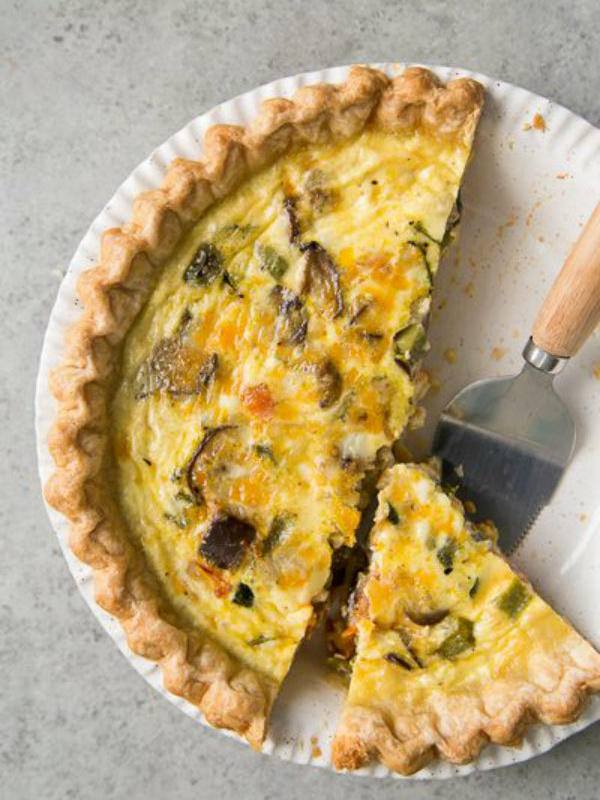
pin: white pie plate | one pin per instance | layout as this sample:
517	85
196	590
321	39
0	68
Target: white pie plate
526	195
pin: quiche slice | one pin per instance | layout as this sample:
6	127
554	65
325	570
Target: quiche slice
248	352
454	649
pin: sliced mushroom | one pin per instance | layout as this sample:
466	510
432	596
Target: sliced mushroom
426	617
319	273
291	212
394	658
320	278
292	323
320	196
408	643
359	306
176	368
329	381
227	541
198	454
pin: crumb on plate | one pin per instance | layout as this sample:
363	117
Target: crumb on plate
450	355
433	381
538	123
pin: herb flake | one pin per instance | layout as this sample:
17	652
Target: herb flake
279	526
260	639
180	522
243	596
445	555
265	451
393	515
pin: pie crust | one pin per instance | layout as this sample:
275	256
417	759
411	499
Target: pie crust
114	291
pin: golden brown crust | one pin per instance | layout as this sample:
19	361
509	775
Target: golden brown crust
456	727
114	291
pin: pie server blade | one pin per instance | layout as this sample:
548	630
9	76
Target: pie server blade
510	439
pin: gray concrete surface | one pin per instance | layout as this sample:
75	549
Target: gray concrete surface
86	90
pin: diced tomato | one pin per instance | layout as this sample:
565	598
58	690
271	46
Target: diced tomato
258	400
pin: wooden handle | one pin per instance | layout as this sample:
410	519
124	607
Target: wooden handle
571	309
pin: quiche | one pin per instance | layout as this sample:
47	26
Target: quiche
454	649
247	354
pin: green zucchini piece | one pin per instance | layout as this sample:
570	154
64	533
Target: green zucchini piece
205	267
410	343
459	640
514	600
271	261
445	556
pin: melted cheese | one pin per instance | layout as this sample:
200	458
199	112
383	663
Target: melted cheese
310	412
427	560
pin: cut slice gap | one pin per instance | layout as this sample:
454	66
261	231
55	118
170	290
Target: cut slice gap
454	648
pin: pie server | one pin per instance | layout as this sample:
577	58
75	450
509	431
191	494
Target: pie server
507	441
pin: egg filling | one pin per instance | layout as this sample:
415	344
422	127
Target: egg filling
273	366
